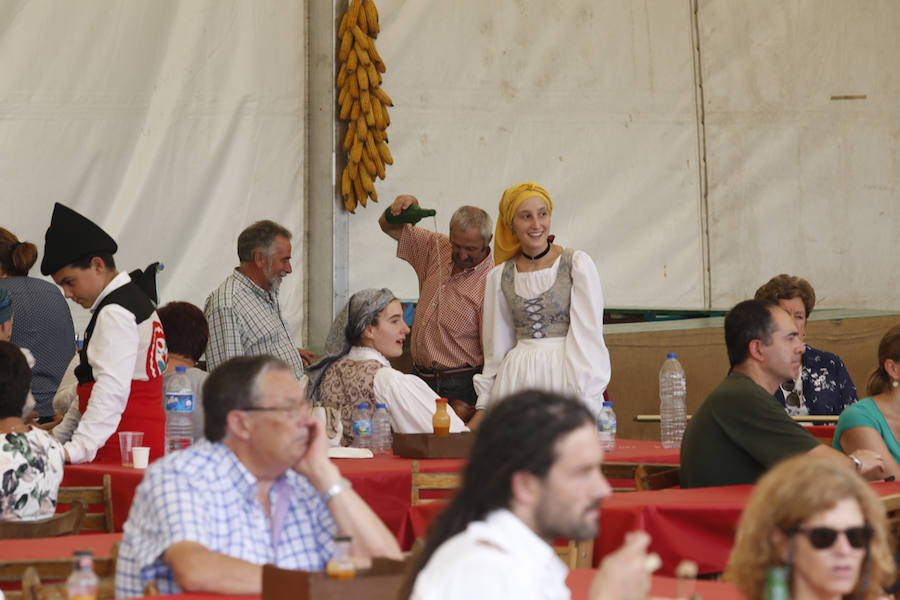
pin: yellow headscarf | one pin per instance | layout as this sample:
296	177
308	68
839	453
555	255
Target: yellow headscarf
506	244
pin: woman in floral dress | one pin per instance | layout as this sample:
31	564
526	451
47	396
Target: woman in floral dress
31	460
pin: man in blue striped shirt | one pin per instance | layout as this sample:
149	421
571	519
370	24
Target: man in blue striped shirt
260	490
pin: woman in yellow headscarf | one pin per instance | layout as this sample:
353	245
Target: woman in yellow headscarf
543	309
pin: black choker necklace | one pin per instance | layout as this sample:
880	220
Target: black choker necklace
537	256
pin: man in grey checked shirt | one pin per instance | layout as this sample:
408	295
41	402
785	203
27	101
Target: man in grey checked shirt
260	490
243	313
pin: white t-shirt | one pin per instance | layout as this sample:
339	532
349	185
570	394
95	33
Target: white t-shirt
499	557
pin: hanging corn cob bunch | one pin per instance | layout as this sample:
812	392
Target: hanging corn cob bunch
363	104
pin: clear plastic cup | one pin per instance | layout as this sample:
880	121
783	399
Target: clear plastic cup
127	441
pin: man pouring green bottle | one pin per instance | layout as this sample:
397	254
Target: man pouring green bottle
446	332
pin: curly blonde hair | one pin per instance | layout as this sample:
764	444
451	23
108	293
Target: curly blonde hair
792	492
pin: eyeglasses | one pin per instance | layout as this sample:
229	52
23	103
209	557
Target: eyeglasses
793	398
824	537
292	409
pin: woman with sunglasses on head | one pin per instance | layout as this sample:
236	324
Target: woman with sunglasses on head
823	386
874	422
543	310
821	522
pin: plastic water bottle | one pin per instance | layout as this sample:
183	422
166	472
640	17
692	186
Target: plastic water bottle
672	395
83	582
606	426
362	427
179	398
382	441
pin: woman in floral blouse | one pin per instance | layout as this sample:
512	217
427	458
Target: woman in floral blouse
824	386
31	460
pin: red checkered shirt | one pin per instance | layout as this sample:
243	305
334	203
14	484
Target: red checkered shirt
447	326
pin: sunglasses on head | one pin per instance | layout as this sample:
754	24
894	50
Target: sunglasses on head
824	537
793	398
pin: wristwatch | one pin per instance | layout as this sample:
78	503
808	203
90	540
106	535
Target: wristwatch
857	462
342	484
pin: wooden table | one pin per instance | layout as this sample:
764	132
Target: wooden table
57	547
124	481
54	558
579	583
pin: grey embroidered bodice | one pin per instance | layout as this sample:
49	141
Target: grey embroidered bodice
546	315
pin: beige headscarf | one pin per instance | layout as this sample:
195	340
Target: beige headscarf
506	244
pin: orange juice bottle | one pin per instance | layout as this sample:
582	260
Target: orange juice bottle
441	420
341	564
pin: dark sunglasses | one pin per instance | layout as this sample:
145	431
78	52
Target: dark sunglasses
793	398
824	537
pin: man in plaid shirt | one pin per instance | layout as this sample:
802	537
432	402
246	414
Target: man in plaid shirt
243	313
261	490
446	334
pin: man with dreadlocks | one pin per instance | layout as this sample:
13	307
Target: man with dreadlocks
533	476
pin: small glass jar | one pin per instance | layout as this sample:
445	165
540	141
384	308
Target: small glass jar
441	419
341	564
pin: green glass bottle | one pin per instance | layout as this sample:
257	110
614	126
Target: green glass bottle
776	584
411	214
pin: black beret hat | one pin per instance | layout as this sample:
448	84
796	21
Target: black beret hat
72	237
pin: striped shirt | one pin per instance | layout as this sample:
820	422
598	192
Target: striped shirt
245	320
204	494
446	330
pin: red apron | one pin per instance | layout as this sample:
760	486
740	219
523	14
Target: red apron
144	412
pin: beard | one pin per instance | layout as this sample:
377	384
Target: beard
275	282
554	520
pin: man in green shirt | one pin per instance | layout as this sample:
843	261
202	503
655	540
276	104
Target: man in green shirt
741	429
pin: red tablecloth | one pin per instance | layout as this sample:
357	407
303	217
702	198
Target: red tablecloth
643	451
124	481
383	482
57	547
822	432
697	524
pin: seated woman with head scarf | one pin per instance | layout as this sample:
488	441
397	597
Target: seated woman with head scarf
364	335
